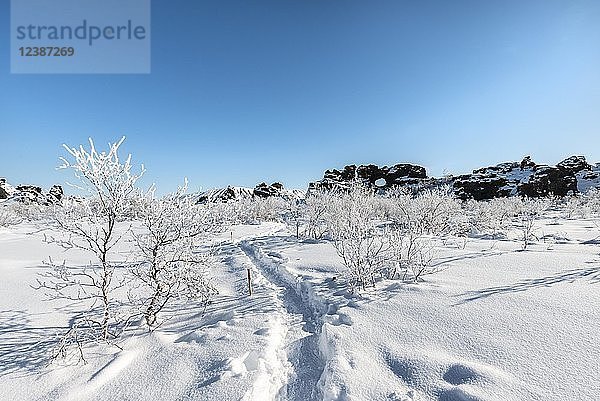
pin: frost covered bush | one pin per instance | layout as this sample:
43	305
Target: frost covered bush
492	217
415	223
591	206
574	207
529	210
413	255
430	211
308	217
8	217
256	210
316	205
394	236
294	216
353	226
92	225
170	266
13	212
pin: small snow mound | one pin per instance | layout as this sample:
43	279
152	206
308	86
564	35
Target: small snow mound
193	337
458	374
457	394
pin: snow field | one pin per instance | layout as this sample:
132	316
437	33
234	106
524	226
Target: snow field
497	324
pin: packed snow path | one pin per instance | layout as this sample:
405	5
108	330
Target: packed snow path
302	317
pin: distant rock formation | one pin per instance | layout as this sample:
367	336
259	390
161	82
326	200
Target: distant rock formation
56	193
30	193
574	164
525	178
5	189
264	191
382	177
261	190
224	194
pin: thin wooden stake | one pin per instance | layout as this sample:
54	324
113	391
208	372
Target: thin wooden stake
249	281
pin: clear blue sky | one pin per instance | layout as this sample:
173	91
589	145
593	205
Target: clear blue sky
248	91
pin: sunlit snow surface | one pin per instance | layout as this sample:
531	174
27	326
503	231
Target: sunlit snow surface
497	324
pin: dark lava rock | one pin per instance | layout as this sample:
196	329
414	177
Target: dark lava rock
548	180
527	163
55	194
3	193
480	187
224	194
29	193
399	174
404	170
574	164
263	190
512	178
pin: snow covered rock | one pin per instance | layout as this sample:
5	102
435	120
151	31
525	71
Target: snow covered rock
6	190
548	180
574	164
264	191
55	194
481	186
30	193
588	179
525	178
225	194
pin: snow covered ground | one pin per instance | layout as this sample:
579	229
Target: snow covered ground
497	324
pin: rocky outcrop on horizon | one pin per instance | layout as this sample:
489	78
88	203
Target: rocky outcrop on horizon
524	178
30	193
262	190
383	177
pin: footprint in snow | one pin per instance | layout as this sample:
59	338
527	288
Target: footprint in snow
340	319
457	394
262	332
459	373
240	366
192	337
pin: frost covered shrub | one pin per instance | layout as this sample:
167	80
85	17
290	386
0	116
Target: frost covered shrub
170	266
92	225
492	217
352	220
8	217
307	217
294	216
393	236
430	211
27	211
574	207
315	209
529	210
267	209
256	210
413	255
589	203
415	223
